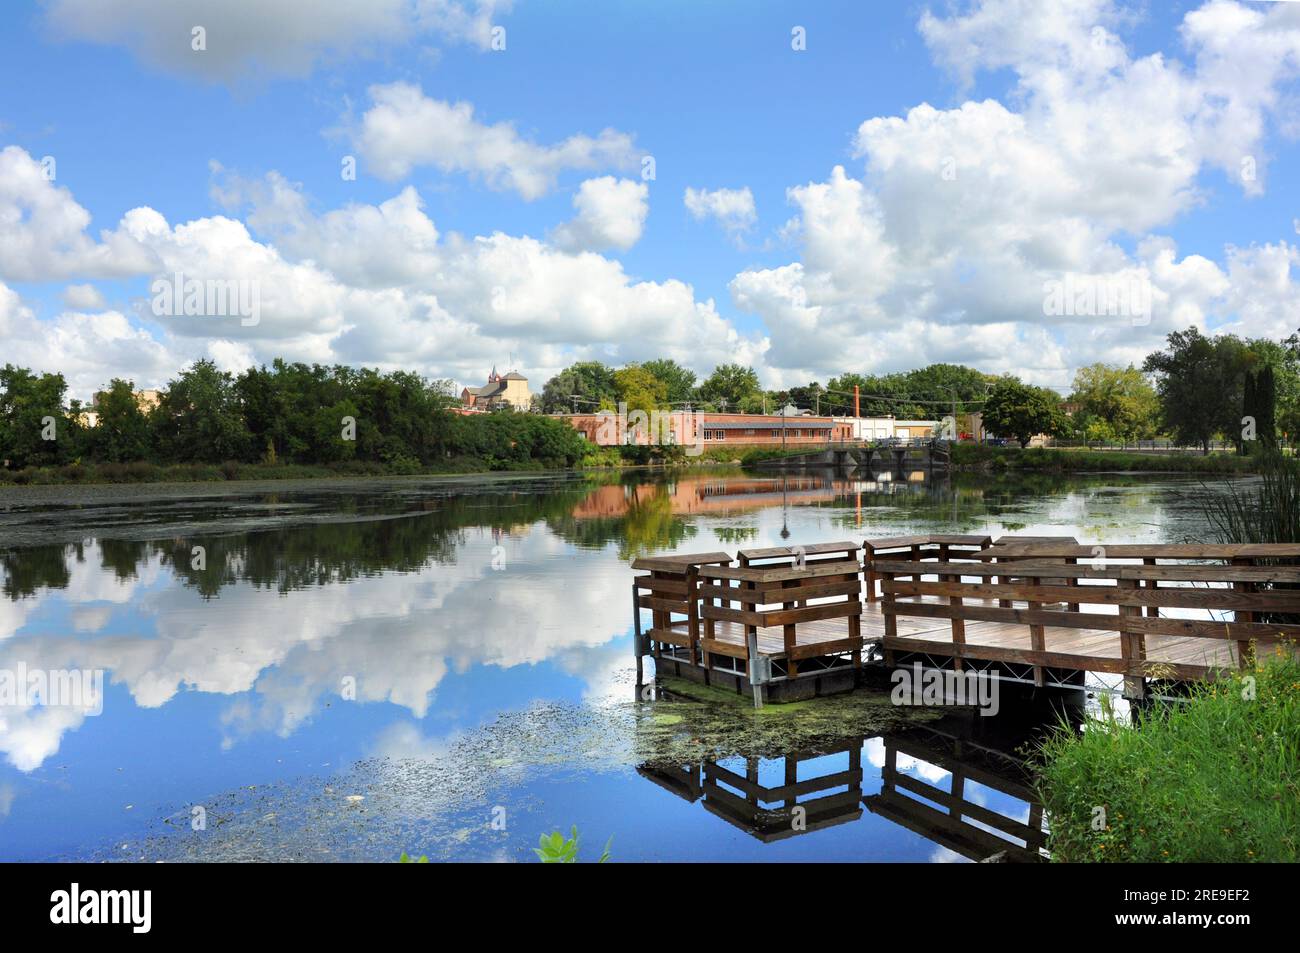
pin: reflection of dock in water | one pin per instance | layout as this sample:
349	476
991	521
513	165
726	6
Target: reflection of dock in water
767	812
959	782
955	818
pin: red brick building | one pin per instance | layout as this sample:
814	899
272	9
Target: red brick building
712	429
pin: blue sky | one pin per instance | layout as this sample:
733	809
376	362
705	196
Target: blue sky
1084	134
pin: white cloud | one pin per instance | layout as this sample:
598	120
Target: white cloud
266	37
733	209
404	128
43	229
469	22
83	297
611	214
86	348
378	284
941	250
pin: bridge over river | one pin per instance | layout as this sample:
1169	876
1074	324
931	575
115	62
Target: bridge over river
868	455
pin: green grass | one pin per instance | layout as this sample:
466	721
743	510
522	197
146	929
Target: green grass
982	457
1213	779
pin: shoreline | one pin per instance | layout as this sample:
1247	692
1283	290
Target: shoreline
967	459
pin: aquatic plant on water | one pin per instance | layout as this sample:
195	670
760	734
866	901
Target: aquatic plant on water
1267	510
555	848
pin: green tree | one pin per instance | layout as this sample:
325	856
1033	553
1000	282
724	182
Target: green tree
122	431
926	393
1121	397
1258	407
34	429
679	381
1200	384
198	418
1022	411
591	382
811	396
639	389
732	388
1283	359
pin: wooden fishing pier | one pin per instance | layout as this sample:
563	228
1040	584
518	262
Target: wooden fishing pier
869	456
793	622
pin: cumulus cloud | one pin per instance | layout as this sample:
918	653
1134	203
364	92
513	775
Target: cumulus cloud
404	128
266	37
733	209
379	284
611	214
962	218
939	245
43	229
83	297
86	348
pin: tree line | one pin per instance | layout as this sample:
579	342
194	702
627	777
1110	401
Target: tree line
1197	389
924	393
1194	391
284	413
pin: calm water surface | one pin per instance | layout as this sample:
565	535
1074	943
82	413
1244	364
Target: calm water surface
446	667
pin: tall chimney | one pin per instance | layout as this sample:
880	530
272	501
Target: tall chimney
857	412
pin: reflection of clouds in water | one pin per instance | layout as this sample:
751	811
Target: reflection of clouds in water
91	619
905	764
403	741
7	795
13	615
397	634
88	582
943	855
30	735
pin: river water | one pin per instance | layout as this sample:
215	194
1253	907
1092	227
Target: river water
343	670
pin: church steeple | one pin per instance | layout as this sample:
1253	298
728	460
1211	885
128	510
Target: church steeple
494	376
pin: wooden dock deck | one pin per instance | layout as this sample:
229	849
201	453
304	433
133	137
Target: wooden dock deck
1003	640
793	622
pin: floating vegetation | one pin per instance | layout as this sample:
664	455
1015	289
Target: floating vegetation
443	805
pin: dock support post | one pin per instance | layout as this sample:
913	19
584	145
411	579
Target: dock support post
751	641
1135	688
637	647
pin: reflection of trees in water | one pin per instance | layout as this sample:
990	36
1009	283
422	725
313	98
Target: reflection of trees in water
26	570
647	525
290	557
965	501
733	535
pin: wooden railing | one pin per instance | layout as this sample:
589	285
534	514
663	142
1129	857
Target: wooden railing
1064	585
670	588
780	593
939	548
